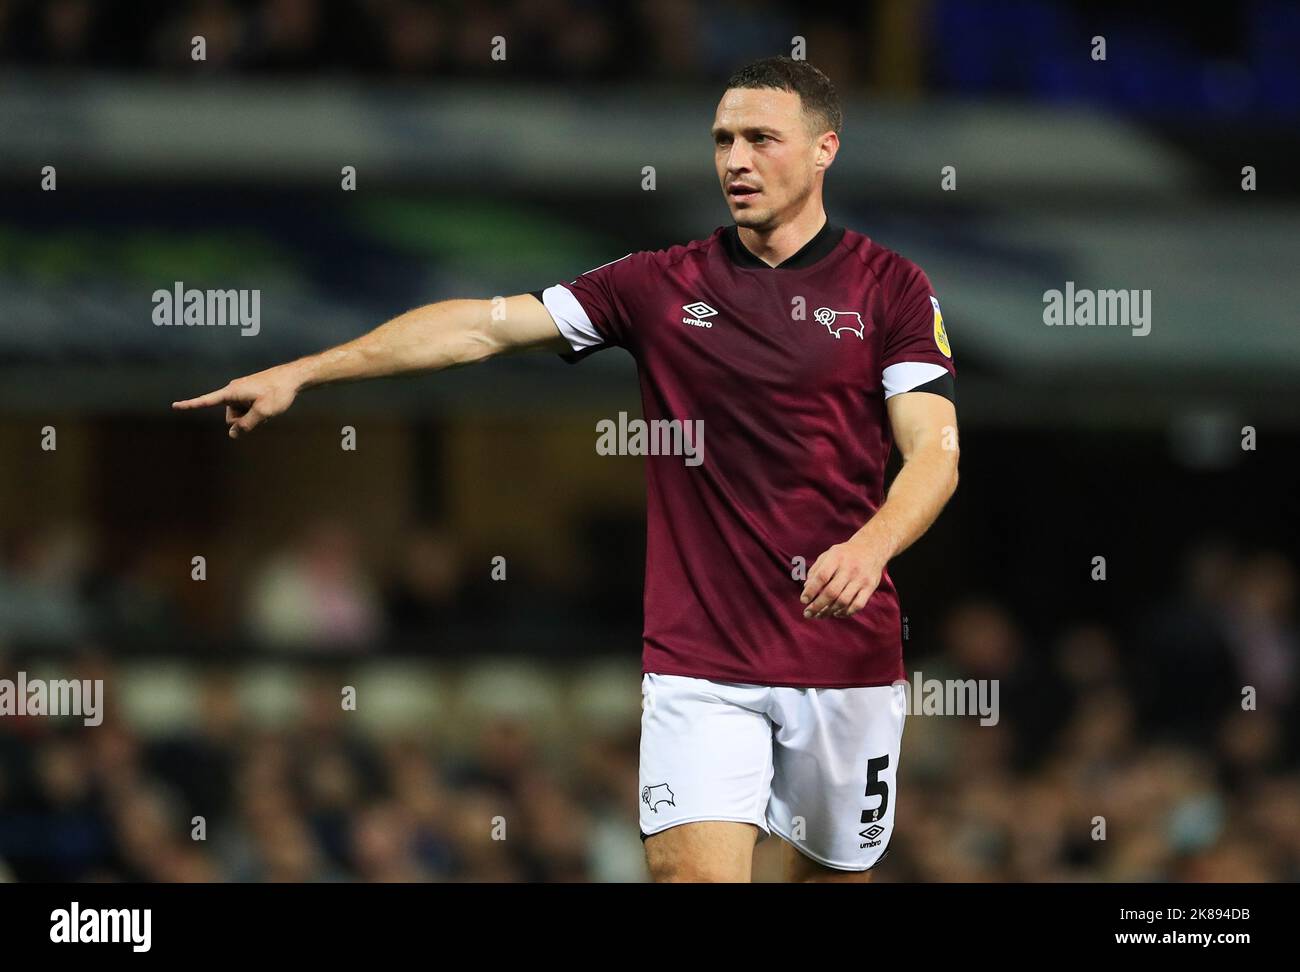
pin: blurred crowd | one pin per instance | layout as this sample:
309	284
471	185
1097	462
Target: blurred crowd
1233	58
1166	753
321	591
1170	752
315	803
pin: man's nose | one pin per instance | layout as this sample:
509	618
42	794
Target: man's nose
739	158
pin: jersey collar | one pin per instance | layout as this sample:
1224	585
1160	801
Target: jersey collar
821	245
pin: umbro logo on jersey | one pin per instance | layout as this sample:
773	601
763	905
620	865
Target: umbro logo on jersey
698	309
838	321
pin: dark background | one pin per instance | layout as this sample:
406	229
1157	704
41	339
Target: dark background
517	699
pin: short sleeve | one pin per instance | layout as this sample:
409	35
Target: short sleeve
590	311
916	355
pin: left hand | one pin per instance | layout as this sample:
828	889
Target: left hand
841	580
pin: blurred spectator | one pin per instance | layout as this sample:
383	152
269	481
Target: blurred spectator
41	575
1185	676
316	595
424	591
1261	628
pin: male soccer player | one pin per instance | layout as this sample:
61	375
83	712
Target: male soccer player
772	695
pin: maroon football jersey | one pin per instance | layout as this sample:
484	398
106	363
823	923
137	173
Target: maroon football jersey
777	379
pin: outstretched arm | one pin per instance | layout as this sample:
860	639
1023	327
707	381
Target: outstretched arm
846	575
442	335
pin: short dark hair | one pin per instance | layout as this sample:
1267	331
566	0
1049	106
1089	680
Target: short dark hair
814	89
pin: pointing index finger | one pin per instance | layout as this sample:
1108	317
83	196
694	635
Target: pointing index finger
217	397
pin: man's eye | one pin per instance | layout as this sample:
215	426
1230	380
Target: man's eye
760	138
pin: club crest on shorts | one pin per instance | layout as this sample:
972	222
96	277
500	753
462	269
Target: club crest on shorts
652	796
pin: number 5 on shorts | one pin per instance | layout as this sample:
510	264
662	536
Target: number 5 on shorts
876	787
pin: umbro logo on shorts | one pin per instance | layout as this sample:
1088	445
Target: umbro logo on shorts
872	832
698	309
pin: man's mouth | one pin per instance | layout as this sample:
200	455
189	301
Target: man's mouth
737	191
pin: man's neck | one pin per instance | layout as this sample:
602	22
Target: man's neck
776	246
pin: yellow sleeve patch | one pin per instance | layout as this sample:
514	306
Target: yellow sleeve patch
940	335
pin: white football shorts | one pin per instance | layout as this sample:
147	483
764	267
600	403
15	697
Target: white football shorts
816	766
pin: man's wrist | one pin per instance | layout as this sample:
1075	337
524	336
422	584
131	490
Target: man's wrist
876	541
305	372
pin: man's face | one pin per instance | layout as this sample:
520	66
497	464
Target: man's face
768	160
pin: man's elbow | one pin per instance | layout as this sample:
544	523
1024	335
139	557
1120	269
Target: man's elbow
482	344
487	335
953	457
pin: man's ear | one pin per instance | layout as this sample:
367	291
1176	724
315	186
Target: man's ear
827	148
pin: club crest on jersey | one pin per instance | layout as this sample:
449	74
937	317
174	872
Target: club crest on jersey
940	335
698	310
839	321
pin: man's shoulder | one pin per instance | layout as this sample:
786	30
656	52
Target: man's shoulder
888	266
674	254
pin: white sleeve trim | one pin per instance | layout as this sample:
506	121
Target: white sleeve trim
570	318
906	375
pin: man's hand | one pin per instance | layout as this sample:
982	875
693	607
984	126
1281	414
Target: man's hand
846	575
429	338
842	579
252	400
